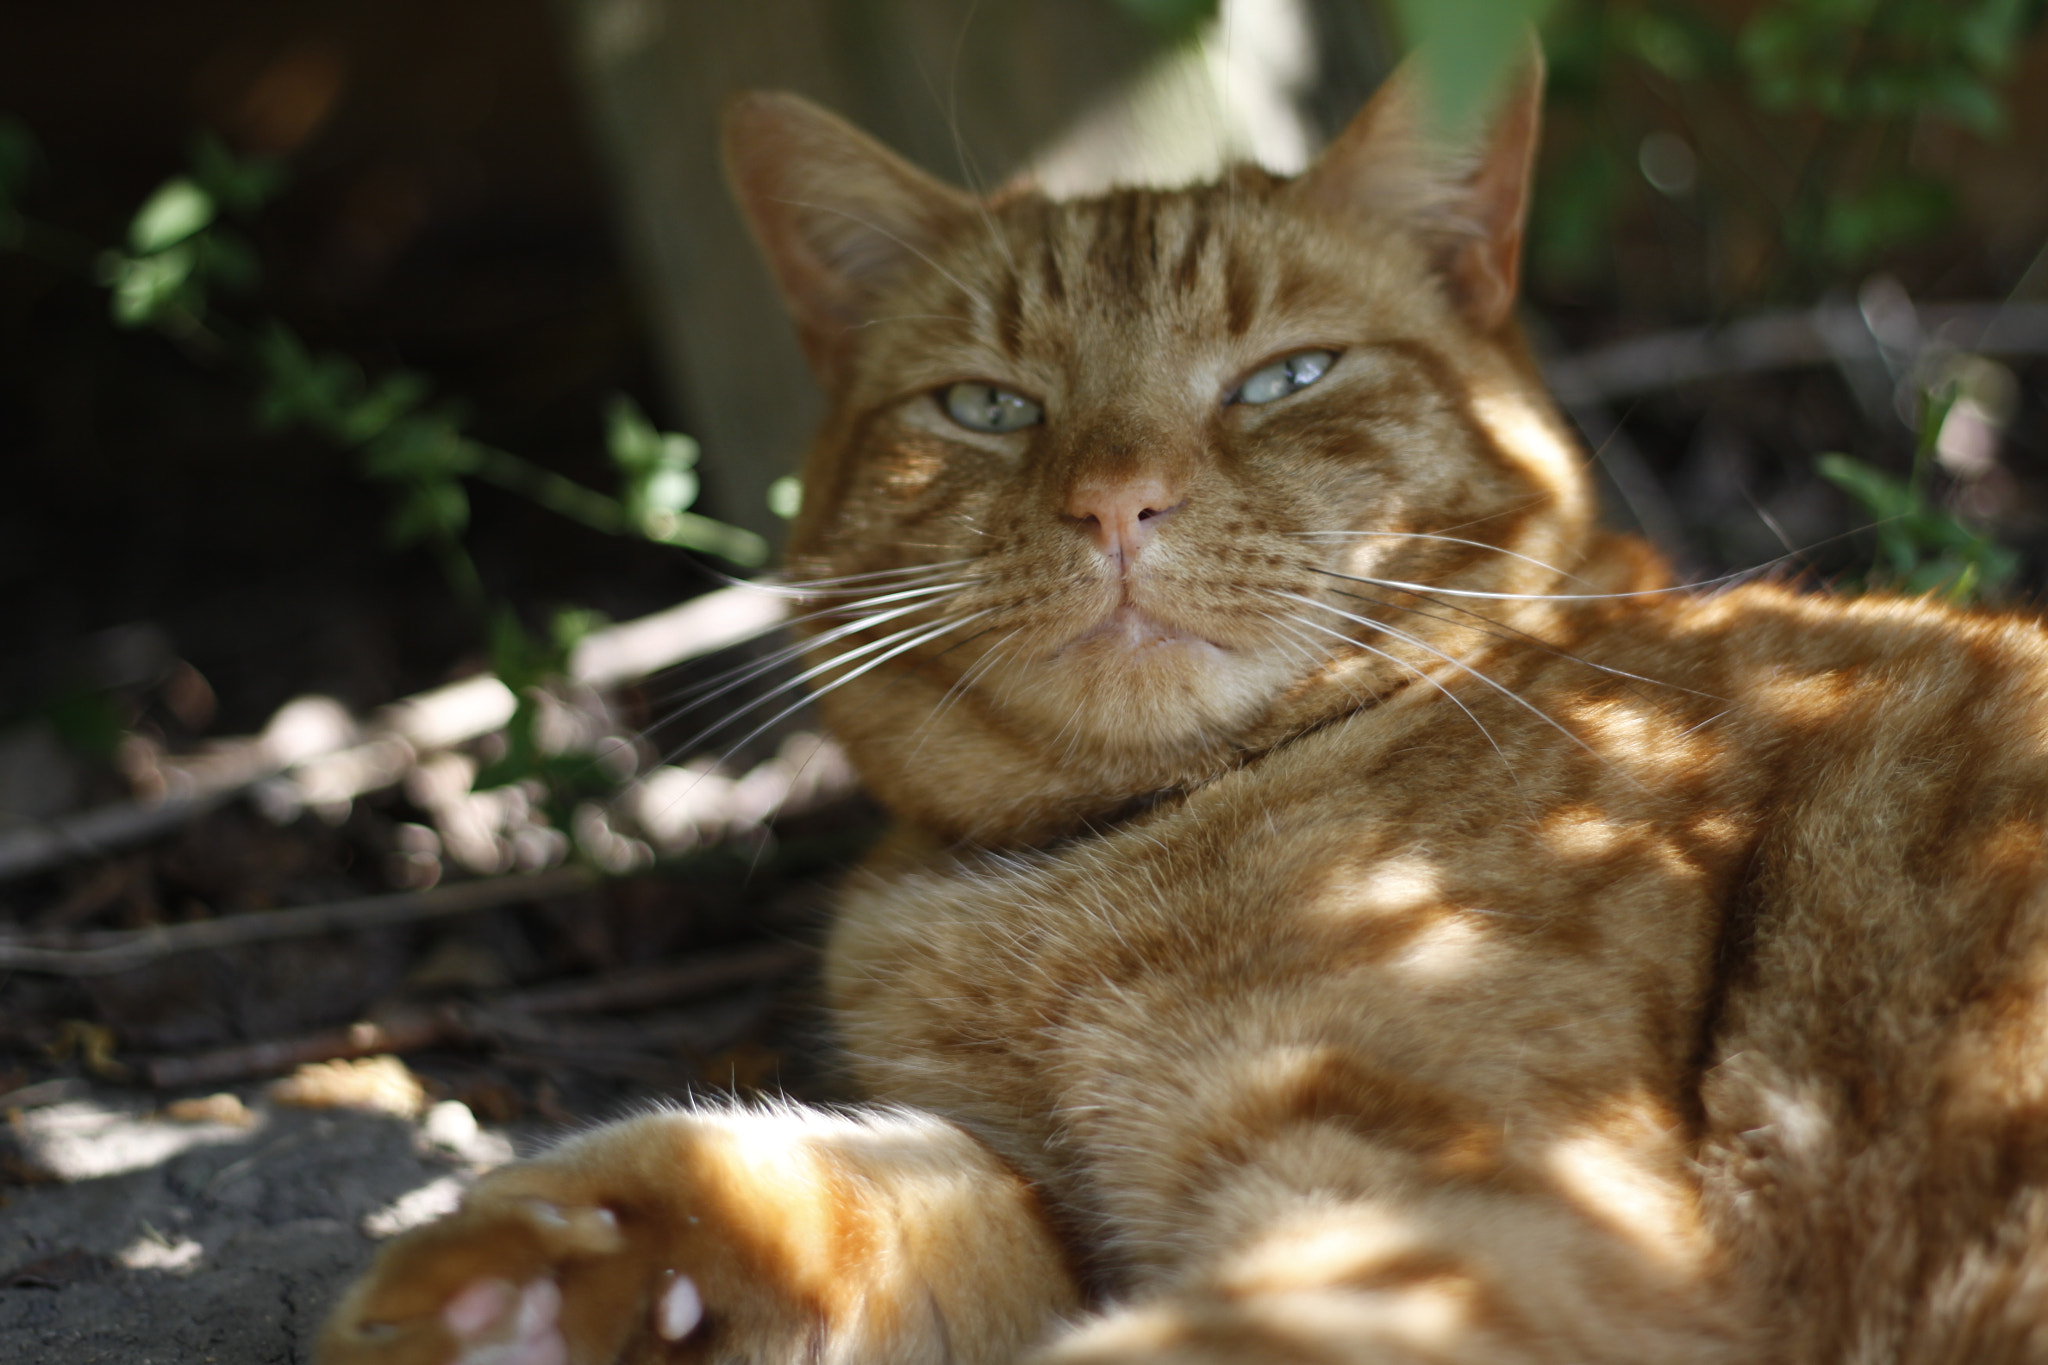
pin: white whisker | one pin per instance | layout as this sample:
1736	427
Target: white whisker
926	637
1452	540
790	684
725	682
1461	666
1502	631
1424	589
1437	683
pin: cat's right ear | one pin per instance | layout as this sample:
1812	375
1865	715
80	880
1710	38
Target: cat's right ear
837	214
1474	207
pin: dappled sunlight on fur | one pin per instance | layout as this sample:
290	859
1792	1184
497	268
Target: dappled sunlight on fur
1342	906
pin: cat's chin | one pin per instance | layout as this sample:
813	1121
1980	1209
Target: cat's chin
1136	684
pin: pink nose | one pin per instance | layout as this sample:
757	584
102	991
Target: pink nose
1120	515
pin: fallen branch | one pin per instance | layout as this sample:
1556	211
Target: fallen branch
343	762
399	1033
123	950
508	1017
1784	340
639	987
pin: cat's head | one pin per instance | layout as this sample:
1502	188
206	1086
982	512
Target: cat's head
1102	478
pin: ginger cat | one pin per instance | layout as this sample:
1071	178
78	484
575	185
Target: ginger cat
1344	908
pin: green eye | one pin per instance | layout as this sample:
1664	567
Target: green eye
1283	377
984	407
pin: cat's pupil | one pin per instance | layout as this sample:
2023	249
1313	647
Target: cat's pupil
984	407
1285	376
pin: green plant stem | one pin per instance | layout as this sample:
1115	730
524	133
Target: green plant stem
460	571
560	495
735	543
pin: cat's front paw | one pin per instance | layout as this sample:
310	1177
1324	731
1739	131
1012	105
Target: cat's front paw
762	1236
486	1287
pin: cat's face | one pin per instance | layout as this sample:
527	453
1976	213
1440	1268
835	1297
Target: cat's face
1106	473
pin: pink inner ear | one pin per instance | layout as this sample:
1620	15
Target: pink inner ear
835	213
1497	198
1384	165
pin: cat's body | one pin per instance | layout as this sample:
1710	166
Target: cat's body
1374	915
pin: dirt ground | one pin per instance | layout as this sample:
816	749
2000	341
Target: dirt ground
180	1243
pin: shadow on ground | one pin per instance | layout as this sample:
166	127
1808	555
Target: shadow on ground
156	1242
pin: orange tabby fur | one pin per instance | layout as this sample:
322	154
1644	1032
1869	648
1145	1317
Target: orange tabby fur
1344	907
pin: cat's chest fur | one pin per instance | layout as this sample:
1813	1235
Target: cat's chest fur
1471	928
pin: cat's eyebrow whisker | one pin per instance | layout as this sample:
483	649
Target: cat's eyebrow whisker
1465	668
1437	683
1452	540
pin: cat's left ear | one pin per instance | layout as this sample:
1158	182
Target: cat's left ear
1383	163
838	215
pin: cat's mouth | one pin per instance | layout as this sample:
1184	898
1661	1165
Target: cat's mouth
1127	630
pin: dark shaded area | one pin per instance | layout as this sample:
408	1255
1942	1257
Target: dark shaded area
443	213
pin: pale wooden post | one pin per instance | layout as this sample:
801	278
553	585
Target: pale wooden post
970	90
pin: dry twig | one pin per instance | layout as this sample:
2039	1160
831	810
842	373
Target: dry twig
121	950
509	1017
342	763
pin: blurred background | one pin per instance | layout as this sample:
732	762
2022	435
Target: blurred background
371	373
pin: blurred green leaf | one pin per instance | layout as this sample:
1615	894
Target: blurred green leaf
88	723
369	417
786	496
667	491
434	509
18	157
657	485
300	387
1969	101
634	444
1894	212
1570	224
1173	19
421	446
1921	548
1678	43
242	184
145	288
227	259
570	625
1466	48
178	209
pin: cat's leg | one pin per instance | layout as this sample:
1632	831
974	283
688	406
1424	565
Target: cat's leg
757	1236
1443	1276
